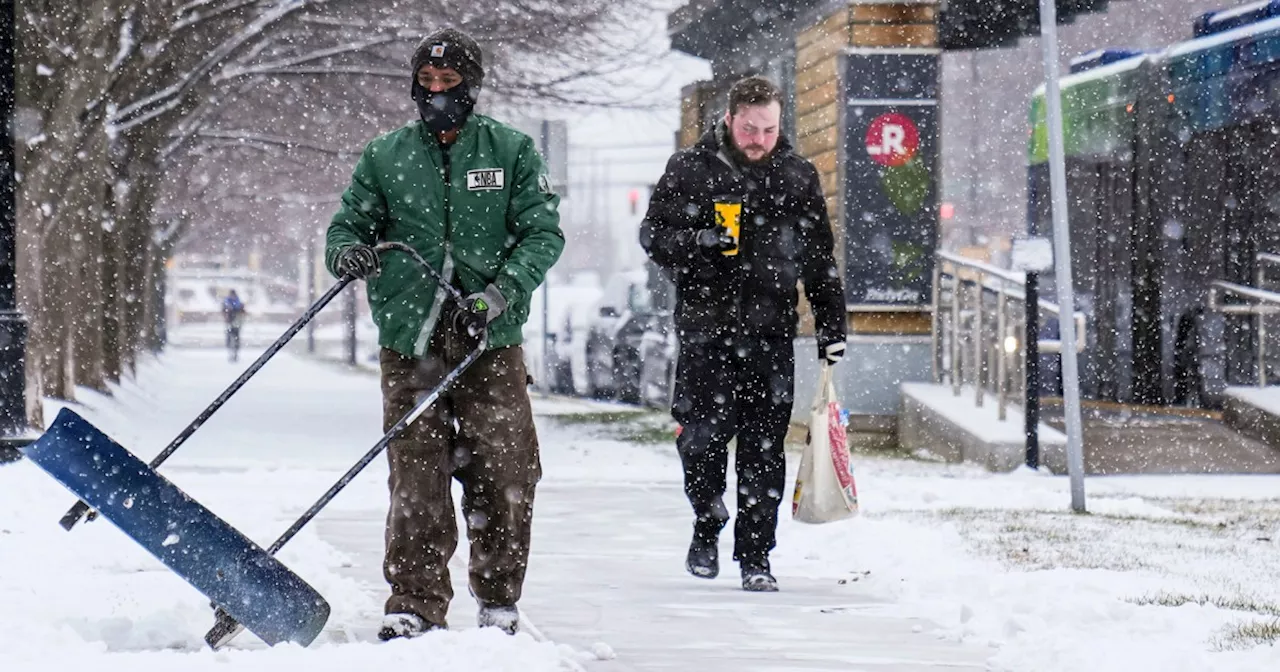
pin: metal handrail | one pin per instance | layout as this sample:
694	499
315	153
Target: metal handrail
1267	257
1261	295
1265	303
1002	346
1020	280
993	271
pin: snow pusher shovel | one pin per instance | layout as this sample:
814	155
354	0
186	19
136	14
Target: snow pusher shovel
227	623
197	545
239	577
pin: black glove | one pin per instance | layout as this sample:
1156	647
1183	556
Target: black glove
830	352
715	240
359	261
481	308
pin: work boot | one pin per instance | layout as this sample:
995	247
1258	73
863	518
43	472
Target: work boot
756	577
504	618
403	625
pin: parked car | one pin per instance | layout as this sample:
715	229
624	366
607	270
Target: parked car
658	352
613	346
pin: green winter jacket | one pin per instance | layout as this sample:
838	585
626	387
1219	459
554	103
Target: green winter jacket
495	219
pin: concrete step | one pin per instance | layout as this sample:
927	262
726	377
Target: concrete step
933	421
1254	412
1120	439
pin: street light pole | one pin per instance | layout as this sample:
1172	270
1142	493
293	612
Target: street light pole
1062	254
14	432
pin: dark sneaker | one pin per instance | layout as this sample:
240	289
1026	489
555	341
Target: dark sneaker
506	619
404	625
758	579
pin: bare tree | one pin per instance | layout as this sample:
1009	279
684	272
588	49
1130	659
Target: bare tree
142	124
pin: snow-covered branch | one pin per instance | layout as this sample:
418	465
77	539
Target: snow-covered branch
244	136
198	17
284	64
170	97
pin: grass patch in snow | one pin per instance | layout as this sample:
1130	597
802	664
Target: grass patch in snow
1248	635
1230	603
600	418
629	426
1154	520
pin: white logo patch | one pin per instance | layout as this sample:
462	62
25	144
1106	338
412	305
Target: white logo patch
437	51
485	180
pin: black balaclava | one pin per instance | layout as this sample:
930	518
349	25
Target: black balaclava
446	110
448	48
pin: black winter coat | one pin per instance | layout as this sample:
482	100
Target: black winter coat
785	237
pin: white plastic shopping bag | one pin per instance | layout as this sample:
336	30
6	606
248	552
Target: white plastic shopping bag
825	491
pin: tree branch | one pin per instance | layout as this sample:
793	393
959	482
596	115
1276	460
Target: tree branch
137	113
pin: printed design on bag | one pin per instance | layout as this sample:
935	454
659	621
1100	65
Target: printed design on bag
840	453
487	179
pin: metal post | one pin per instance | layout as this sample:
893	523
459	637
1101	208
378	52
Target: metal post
1002	330
14	431
1260	332
957	288
977	340
546	290
1062	256
936	323
1031	367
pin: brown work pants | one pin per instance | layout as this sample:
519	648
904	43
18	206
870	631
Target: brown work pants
480	432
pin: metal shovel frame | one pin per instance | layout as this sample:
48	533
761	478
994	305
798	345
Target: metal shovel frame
226	628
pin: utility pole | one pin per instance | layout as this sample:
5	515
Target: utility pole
14	432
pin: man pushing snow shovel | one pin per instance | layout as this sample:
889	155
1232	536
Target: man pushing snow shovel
472	197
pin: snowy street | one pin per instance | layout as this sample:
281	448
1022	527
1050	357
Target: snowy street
948	567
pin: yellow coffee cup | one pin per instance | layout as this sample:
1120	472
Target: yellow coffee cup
729	215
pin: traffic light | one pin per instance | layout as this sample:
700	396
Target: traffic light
634	197
988	24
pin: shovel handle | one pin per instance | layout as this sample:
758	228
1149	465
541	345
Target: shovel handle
76	512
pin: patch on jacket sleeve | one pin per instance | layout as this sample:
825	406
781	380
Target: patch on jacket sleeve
485	179
544	184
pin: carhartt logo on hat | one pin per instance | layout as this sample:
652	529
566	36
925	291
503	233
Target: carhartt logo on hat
437	51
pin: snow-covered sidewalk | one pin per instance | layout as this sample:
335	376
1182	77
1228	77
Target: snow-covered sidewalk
948	567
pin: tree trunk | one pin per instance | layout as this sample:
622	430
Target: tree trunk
111	368
29	276
55	329
56	163
87	318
